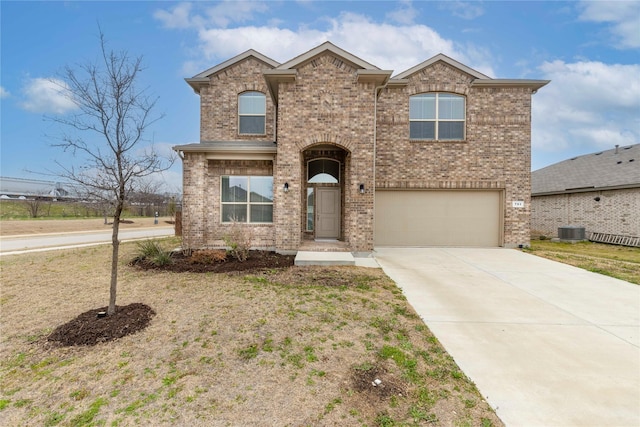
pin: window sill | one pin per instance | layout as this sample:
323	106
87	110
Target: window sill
441	141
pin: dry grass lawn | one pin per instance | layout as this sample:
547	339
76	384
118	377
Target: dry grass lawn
295	347
621	262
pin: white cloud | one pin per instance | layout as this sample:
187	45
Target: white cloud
623	16
220	15
4	93
44	95
405	14
388	46
178	17
588	106
463	9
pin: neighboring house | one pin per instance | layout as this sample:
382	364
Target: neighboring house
327	146
598	191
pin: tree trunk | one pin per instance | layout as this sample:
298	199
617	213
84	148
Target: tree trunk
115	243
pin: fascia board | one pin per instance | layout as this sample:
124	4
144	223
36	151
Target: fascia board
378	77
275	77
586	190
327	46
532	84
235	59
444	58
237	147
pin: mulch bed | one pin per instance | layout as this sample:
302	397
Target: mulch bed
90	329
257	260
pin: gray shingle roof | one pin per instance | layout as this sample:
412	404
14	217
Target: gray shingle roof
615	168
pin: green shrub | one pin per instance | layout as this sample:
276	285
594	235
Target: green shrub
152	252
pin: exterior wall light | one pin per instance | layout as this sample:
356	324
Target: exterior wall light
286	187
361	188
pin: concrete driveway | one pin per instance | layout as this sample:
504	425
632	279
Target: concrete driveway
547	344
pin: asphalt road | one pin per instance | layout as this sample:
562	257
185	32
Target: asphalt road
44	242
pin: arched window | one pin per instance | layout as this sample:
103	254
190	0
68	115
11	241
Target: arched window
437	116
252	110
325	171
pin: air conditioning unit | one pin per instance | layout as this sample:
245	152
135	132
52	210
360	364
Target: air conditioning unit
572	233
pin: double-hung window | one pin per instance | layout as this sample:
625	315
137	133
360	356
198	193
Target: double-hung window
437	116
247	199
252	110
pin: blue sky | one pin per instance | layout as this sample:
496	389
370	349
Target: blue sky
590	51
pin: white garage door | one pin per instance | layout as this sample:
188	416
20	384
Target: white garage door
438	218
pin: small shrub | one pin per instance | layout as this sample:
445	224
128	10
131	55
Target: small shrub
543	238
150	251
238	239
208	256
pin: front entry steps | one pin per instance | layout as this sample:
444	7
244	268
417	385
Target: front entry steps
361	259
324	258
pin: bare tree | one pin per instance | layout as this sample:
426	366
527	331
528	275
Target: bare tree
33	205
106	132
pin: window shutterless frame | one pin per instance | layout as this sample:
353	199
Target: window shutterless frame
252	113
247	199
437	116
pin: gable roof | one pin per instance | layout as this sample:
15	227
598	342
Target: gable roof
287	72
611	169
444	58
327	46
199	79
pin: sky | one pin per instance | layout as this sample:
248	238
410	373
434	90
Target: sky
589	50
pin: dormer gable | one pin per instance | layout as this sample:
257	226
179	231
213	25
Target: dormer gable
203	78
287	72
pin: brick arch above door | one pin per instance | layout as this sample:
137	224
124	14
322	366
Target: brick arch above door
326	138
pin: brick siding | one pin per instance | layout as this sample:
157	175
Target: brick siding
615	213
326	112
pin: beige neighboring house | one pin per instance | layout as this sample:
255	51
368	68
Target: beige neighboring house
598	191
328	147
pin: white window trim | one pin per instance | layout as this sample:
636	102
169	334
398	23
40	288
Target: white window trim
248	203
437	120
253	115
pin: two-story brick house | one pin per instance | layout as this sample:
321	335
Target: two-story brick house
328	146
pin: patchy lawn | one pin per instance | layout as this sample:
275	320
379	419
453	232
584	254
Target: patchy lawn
298	346
621	262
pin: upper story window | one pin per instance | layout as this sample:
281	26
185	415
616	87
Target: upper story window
252	110
437	116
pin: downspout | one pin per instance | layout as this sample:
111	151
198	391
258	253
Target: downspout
375	143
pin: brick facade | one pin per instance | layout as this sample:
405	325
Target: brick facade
616	212
325	110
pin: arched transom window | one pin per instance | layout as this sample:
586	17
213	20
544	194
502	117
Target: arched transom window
252	110
325	171
437	116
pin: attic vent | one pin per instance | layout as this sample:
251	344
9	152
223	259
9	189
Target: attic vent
619	161
631	160
627	148
597	154
573	158
571	233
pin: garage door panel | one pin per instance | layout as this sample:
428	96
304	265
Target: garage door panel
437	218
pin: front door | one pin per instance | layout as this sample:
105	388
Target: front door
327	212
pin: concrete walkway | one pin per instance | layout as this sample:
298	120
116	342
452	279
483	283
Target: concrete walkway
547	344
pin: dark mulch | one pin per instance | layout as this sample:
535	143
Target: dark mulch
257	260
89	329
364	381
